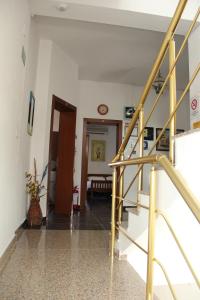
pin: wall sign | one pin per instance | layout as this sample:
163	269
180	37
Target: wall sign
129	112
195	109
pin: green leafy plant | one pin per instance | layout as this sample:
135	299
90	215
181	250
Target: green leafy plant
34	186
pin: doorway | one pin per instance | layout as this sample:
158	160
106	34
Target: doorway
102	128
61	159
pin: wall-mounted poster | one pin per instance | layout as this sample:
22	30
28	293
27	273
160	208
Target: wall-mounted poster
163	143
128	112
148	133
134	132
195	109
31	113
146	146
98	150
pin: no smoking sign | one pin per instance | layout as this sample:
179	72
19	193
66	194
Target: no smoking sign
195	109
194	104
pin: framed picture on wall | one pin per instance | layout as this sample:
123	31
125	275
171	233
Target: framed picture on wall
134	132
31	113
98	150
129	112
146	146
163	143
149	134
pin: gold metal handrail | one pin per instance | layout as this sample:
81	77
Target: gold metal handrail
165	218
167	278
181	185
187	195
119	164
178	181
165	126
157	98
172	27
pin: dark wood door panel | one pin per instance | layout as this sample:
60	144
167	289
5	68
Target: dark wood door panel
65	161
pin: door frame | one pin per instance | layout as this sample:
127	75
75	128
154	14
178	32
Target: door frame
60	105
84	164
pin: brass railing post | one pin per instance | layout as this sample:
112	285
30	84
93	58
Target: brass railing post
113	220
151	236
121	191
172	94
141	151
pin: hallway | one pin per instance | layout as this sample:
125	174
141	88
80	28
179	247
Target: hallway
64	265
96	216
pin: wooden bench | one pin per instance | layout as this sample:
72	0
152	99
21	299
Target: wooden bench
100	186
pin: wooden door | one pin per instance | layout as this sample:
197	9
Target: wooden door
84	176
65	163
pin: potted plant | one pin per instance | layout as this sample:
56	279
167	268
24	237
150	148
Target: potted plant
36	190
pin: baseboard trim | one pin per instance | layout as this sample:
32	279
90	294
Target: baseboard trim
10	248
26	226
7	253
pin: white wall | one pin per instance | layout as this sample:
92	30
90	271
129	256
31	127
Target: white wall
194	60
15	85
57	75
101	167
116	96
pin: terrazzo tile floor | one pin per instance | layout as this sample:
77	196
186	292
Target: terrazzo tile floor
67	264
96	216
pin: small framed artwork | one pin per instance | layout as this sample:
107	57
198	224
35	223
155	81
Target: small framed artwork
163	143
129	112
134	132
98	150
31	113
146	146
149	134
23	55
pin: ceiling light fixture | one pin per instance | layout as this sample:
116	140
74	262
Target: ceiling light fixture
62	7
158	83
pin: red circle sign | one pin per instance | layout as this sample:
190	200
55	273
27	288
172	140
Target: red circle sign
194	104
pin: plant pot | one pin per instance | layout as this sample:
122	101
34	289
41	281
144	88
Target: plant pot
34	216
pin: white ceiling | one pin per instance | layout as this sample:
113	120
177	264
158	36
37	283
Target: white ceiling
107	52
143	14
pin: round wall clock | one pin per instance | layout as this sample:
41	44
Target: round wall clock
102	109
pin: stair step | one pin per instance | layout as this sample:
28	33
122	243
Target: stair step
144	198
143	193
132	210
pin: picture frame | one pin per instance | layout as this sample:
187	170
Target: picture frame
146	145
129	112
31	113
149	134
98	150
23	56
163	143
134	132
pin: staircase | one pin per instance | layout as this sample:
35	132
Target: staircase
161	239
187	229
